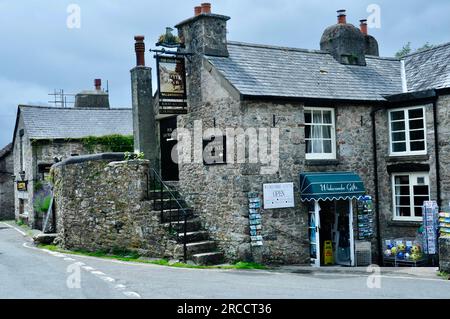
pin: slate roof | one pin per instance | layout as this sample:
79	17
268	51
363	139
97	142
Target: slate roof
59	123
429	69
257	70
6	150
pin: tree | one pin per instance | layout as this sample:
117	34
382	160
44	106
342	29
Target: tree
406	49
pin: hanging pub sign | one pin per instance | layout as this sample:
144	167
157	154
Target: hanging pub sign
215	150
171	84
22	186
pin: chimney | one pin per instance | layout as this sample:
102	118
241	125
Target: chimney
342	17
144	122
205	33
363	26
139	48
97	99
206	8
197	10
98	84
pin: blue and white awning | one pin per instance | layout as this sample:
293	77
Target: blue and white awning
330	186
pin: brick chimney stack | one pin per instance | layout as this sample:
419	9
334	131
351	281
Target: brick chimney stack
206	8
363	26
342	16
144	122
98	84
139	48
197	10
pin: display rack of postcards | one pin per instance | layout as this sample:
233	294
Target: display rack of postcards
365	218
430	213
254	217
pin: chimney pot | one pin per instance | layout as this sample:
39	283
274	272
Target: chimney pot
206	7
98	84
139	47
363	26
198	10
342	16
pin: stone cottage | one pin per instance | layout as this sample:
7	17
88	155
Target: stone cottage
336	123
45	135
6	183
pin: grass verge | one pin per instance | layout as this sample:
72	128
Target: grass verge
134	257
444	275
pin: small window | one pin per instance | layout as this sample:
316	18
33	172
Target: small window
320	133
408	132
409	193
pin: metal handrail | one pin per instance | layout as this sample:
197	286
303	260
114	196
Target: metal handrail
164	187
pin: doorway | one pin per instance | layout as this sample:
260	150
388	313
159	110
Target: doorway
169	155
332	221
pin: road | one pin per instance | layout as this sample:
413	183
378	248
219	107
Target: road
29	272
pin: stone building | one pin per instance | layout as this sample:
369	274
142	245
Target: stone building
6	183
45	135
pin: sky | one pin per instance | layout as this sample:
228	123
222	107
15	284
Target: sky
41	51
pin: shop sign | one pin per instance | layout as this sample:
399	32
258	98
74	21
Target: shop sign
171	84
280	195
22	186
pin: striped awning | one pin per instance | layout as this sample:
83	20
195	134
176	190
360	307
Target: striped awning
330	186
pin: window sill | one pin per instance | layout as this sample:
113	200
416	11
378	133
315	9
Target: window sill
321	162
407	158
404	223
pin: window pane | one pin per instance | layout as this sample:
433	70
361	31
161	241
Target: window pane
327	147
401	190
402	179
399	137
399	147
418	200
397	115
421	190
416	113
317	116
307	131
327	117
418	211
308	117
398	126
308	146
317	146
415	124
326	131
416	135
402	201
403	211
418	146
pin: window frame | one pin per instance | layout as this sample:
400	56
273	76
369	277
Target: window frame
407	131
412	182
322	156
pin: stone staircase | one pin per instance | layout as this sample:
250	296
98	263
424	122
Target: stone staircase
199	248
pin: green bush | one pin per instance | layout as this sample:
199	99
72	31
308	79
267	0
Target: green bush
114	143
41	205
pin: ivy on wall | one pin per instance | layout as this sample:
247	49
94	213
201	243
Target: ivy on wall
114	143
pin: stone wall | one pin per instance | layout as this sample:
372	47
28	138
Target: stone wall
443	106
101	206
389	227
6	186
444	254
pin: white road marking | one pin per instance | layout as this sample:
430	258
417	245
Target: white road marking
131	294
98	273
108	279
88	268
120	287
69	259
17	229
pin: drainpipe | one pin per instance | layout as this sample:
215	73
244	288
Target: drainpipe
436	148
375	180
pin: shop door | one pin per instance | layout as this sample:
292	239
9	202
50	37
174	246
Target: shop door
169	165
343	232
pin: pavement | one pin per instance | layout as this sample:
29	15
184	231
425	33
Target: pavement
30	272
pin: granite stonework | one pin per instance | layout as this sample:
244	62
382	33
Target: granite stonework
6	183
444	254
102	206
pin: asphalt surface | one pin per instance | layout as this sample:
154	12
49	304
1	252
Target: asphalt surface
29	272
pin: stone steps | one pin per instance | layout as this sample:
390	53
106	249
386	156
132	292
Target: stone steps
173	215
205	259
192	225
196	236
168	203
200	247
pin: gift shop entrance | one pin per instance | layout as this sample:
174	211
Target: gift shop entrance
330	198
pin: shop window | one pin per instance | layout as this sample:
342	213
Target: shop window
409	193
320	135
408	131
